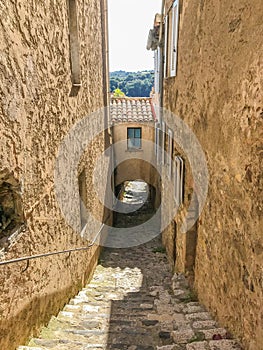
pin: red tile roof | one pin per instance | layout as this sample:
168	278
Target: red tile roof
133	110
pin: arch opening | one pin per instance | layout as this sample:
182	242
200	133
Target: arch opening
136	203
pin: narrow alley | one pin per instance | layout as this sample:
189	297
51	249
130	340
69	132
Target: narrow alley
133	301
134	205
131	175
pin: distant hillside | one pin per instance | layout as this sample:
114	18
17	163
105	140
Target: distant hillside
133	84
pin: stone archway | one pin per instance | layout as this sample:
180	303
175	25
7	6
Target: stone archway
134	169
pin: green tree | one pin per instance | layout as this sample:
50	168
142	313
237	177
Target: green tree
118	93
133	84
114	83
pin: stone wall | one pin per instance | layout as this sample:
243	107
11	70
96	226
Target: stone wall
136	164
218	93
39	106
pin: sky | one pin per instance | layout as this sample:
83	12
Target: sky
129	25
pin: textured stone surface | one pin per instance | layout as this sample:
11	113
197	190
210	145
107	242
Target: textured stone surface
184	335
204	324
203	345
36	113
218	93
136	164
111	313
223	345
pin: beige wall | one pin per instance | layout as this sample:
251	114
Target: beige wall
218	92
139	164
36	113
180	246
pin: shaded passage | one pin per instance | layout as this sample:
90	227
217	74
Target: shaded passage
136	220
134	302
135	206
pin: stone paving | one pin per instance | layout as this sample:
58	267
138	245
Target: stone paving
134	302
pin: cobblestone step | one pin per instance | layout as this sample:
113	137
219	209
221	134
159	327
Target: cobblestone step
135	316
134	303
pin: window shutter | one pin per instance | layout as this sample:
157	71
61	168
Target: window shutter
157	70
157	126
174	38
166	53
170	152
163	142
159	58
179	180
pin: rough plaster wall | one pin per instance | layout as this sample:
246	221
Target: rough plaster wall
173	239
218	92
36	113
139	164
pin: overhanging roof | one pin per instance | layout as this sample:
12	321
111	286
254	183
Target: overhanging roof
133	110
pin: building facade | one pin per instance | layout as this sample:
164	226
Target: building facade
212	80
133	122
54	73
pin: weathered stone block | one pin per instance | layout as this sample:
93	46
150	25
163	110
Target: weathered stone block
198	316
210	333
224	345
183	336
203	345
204	324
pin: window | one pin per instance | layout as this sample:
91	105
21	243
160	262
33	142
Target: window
158	137
83	198
163	142
170	152
74	47
134	138
171	39
157	63
157	126
178	180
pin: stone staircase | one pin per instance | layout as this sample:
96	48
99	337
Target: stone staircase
134	303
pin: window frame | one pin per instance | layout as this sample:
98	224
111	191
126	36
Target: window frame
157	63
179	170
82	185
170	151
163	130
156	139
171	40
74	47
133	148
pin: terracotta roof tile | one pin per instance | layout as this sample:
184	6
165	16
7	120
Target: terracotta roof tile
131	110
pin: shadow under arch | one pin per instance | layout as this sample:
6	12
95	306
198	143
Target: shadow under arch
133	169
